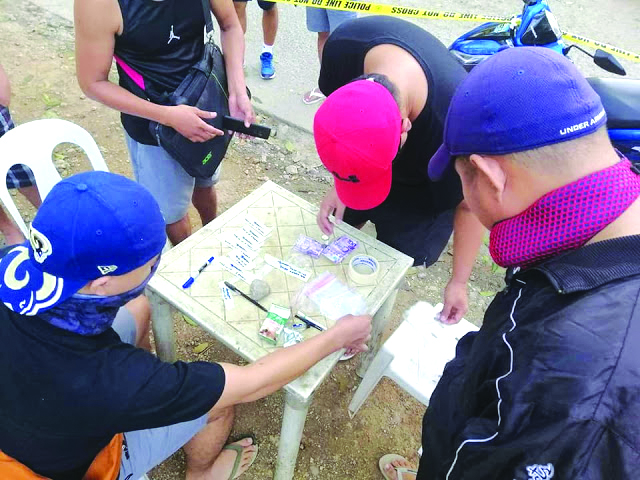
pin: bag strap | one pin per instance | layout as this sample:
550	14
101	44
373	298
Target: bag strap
206	8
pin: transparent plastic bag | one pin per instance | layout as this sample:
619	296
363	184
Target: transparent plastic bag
332	297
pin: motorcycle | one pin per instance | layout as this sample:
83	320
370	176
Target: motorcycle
621	100
537	26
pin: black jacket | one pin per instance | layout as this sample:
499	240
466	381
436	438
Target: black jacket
550	385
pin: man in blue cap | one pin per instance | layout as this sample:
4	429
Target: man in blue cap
548	387
78	400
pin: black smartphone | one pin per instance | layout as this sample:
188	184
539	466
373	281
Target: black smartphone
237	125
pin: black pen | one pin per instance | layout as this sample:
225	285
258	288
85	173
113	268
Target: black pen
247	297
309	322
299	316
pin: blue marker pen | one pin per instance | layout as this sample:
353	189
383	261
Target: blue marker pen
192	279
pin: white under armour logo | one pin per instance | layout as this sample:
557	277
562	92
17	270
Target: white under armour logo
540	472
172	36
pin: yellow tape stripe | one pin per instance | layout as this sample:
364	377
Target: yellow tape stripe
634	57
393	10
398	11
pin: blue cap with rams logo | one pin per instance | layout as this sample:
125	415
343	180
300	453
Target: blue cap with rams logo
90	225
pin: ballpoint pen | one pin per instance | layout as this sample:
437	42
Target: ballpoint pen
299	316
309	322
192	279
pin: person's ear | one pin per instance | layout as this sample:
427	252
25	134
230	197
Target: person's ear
98	286
404	130
492	172
406	125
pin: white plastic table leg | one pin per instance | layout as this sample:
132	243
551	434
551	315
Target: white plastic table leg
380	320
162	325
295	414
373	375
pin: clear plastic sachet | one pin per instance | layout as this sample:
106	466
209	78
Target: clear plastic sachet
337	250
308	246
333	298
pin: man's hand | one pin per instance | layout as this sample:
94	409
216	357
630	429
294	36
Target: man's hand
354	332
456	302
188	121
240	107
330	204
467	238
273	371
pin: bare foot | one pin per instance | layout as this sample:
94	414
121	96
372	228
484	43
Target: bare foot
221	468
391	470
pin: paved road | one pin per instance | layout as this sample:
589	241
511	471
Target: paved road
297	65
613	21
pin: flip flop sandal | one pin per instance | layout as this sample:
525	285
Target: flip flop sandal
239	449
400	471
313	96
242	436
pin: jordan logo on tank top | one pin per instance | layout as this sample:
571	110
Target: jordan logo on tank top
172	36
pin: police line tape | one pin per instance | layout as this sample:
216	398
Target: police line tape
587	42
398	11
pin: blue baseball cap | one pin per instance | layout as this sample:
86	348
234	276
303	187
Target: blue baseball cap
519	99
89	225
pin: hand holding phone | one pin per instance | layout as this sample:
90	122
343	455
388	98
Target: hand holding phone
237	125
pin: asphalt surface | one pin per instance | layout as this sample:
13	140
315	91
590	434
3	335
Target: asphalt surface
616	22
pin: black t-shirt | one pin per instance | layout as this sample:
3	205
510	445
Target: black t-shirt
161	41
343	60
64	396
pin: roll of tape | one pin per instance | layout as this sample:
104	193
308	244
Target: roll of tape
363	269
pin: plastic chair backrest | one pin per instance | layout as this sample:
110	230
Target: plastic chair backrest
32	144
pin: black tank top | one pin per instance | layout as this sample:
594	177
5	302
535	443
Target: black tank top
160	41
343	60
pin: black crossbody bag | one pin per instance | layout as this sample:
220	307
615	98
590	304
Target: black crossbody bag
205	87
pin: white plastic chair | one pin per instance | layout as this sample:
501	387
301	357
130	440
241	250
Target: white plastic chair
32	144
415	355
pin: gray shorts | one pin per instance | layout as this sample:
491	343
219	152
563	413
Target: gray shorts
149	448
167	181
325	20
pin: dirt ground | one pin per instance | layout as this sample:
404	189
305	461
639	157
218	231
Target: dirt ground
37	52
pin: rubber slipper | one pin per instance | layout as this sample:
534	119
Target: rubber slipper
239	449
242	436
400	471
313	96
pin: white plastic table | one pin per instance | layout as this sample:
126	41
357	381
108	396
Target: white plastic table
237	327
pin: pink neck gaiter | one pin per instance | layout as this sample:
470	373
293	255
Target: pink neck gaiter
565	219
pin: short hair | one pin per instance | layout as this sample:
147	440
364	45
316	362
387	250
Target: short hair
561	157
558	157
384	81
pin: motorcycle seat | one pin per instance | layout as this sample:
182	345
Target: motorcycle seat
621	100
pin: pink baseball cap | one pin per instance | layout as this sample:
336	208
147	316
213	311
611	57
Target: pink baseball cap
357	132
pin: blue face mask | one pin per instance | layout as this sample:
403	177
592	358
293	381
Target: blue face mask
92	314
